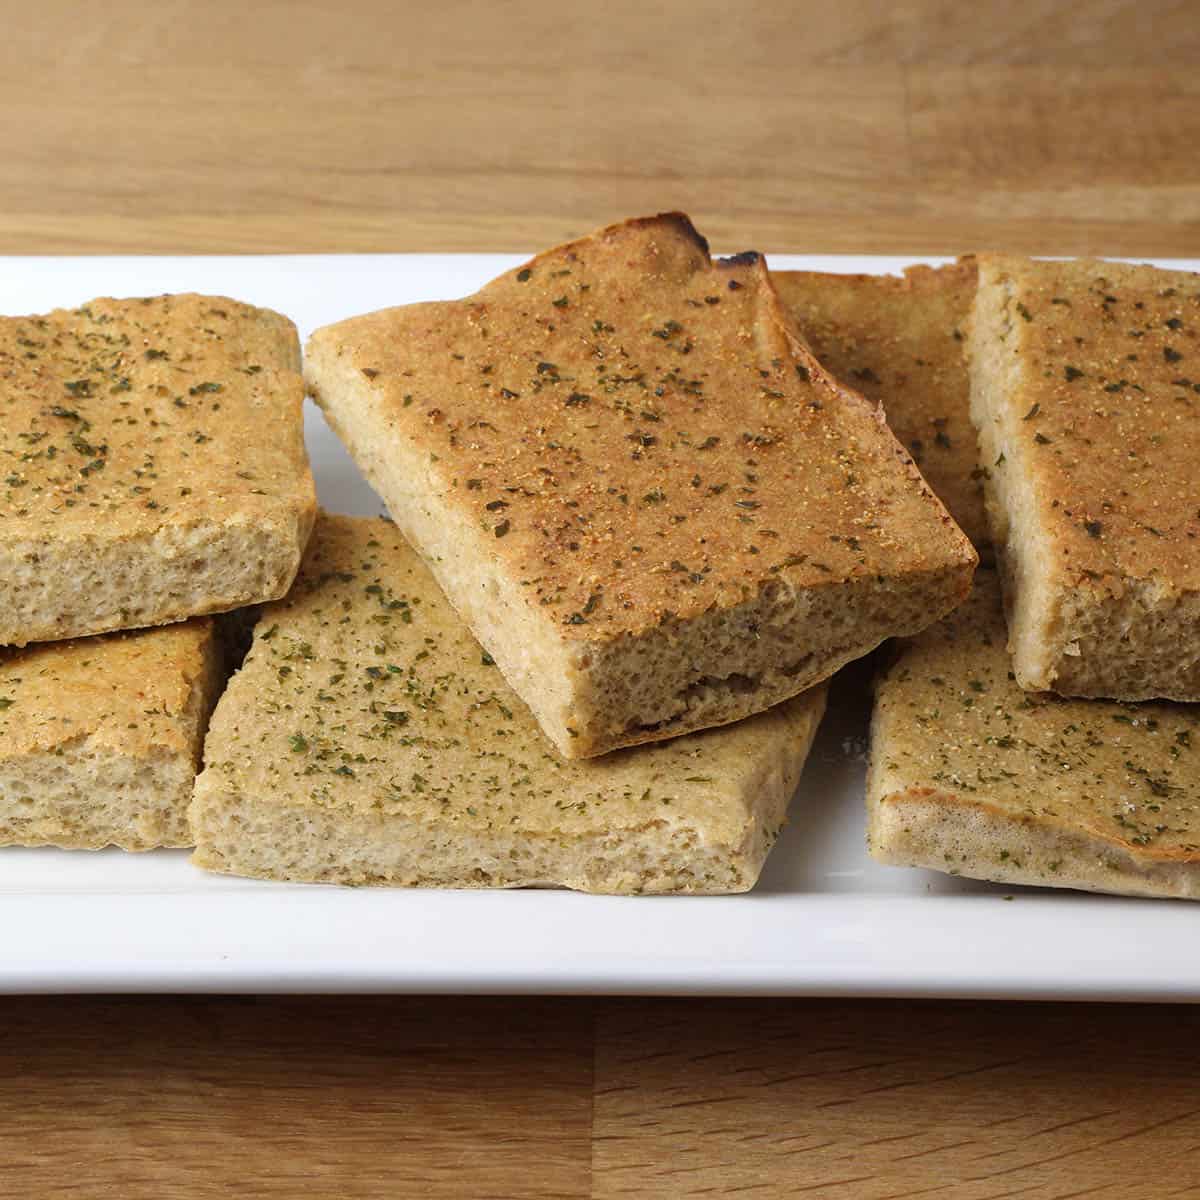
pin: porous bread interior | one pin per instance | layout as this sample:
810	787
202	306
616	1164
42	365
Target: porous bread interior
311	772
85	795
87	798
761	636
58	588
1129	642
1020	540
590	697
237	835
943	834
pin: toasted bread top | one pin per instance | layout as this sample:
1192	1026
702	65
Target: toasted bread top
954	728
1105	396
363	690
644	433
899	341
124	692
124	416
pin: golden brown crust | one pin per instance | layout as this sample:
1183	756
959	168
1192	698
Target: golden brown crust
125	416
127	693
1109	408
644	433
954	735
898	340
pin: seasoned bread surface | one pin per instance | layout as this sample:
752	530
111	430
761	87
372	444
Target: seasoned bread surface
899	341
971	775
368	739
1085	387
153	464
100	737
642	492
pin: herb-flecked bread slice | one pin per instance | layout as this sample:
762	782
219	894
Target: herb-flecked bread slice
368	739
1085	387
100	737
152	464
638	487
899	341
973	776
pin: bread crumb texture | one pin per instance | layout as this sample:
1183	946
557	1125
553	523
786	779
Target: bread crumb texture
643	493
899	341
973	776
100	737
152	464
1086	392
369	739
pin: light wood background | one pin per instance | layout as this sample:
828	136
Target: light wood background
917	126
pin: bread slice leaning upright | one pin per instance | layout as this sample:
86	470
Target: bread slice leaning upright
899	341
153	464
1085	388
649	502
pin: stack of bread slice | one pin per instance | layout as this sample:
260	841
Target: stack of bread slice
643	505
637	527
154	472
1032	736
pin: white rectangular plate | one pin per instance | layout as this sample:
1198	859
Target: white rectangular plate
824	920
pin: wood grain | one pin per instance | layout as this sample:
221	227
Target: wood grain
914	127
511	1098
878	1102
331	1100
295	125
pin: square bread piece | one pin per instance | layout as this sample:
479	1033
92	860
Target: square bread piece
152	464
972	776
100	737
1085	387
635	484
368	739
899	341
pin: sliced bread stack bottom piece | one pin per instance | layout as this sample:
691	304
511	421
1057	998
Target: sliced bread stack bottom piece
100	737
972	775
644	495
369	739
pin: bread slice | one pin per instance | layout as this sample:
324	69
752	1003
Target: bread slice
1085	387
368	739
899	341
100	737
971	775
152	464
639	489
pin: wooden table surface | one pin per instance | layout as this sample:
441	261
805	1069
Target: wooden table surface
923	126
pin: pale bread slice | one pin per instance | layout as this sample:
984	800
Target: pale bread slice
152	464
639	489
368	739
973	776
100	737
1085	387
899	341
